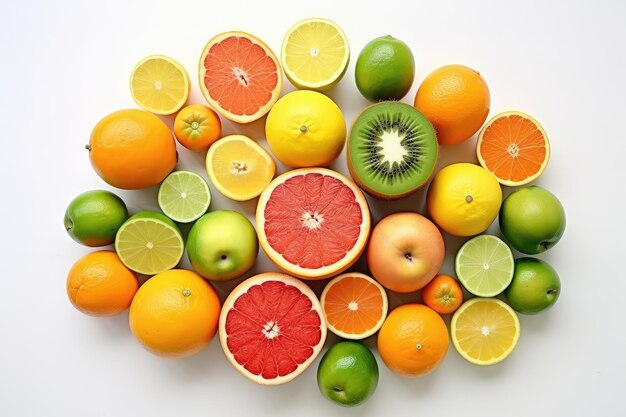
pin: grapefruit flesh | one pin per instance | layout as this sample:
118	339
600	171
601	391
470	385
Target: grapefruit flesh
313	222
240	76
271	328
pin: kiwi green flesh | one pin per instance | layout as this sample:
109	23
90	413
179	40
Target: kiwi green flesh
392	149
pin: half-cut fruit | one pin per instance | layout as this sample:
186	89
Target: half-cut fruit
354	305
485	330
160	84
313	222
271	328
239	76
239	167
315	54
514	147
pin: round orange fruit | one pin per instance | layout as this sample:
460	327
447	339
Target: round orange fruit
456	100
196	127
132	149
175	313
99	284
443	294
413	340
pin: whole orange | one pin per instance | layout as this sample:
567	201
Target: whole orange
99	284
456	100
413	340
132	149
196	127
175	313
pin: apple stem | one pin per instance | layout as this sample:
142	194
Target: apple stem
551	292
408	256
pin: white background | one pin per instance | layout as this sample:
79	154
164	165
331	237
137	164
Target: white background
64	66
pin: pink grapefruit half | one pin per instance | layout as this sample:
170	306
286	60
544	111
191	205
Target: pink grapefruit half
313	222
271	328
239	76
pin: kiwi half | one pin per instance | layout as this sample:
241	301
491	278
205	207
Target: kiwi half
392	150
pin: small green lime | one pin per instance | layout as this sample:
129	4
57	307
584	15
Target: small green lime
93	218
347	373
184	196
149	243
385	69
535	286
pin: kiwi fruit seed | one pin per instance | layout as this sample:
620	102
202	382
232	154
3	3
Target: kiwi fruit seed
392	150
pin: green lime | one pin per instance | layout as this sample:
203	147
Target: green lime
347	373
484	265
535	286
184	196
93	218
384	69
149	243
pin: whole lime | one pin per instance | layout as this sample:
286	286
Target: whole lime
532	219
384	69
222	245
535	287
92	218
347	373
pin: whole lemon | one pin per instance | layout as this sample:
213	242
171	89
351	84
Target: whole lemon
305	129
464	199
384	69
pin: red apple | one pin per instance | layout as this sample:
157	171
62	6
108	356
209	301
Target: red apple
405	252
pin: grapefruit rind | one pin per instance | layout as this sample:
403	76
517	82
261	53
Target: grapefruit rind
326	271
373	329
240	118
242	289
484	164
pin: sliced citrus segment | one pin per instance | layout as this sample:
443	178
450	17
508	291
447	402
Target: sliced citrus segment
514	147
484	265
239	167
315	54
354	305
313	222
184	196
484	330
149	243
239	76
159	84
271	328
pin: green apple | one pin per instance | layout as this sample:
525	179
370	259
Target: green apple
222	245
347	373
535	287
93	218
532	219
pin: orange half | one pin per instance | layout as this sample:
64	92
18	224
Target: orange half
239	167
514	147
239	76
354	305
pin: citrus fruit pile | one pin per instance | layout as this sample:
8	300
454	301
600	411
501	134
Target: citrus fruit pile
312	222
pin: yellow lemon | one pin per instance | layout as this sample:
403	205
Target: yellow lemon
305	129
464	199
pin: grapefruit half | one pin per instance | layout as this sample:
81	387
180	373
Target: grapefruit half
313	222
271	328
239	76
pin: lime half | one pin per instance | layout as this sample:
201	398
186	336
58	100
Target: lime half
485	330
485	265
184	196
149	243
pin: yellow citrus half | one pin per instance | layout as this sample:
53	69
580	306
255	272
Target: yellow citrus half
239	167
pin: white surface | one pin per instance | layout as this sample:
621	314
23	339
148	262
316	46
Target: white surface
65	66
